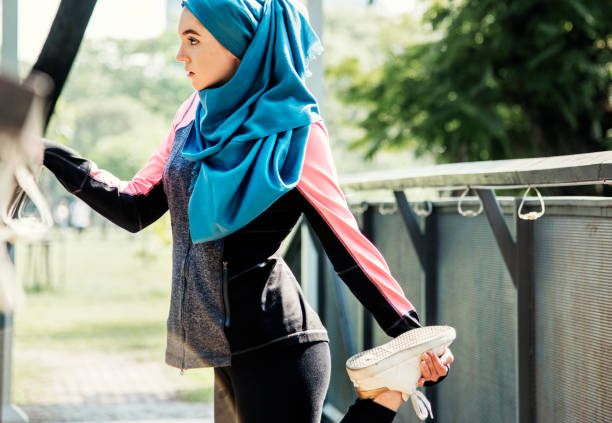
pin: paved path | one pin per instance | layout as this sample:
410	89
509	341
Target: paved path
95	387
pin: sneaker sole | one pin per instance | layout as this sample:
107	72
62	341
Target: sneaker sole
408	345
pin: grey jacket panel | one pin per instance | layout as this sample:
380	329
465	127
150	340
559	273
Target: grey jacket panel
196	335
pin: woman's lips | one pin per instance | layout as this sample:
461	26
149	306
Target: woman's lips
190	74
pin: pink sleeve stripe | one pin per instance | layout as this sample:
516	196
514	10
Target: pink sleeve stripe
151	173
319	185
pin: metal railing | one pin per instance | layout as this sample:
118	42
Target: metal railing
511	277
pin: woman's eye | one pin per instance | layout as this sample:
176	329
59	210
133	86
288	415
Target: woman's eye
192	41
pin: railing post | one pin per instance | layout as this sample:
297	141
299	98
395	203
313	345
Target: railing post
310	267
412	226
368	320
425	246
10	63
430	268
525	319
10	412
430	260
495	217
62	45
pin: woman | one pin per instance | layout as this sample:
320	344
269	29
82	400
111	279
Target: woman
247	155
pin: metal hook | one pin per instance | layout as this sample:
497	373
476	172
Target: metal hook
359	210
468	213
423	212
533	215
387	210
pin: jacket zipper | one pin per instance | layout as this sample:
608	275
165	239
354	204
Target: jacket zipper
185	269
226	294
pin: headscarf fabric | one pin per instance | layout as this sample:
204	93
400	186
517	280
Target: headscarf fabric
249	135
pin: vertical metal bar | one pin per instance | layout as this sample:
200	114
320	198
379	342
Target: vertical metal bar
368	320
495	216
350	345
10	60
310	267
9	65
322	289
62	44
9	413
432	300
425	246
411	221
525	319
431	274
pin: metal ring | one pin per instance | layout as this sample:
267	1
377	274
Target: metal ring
423	212
387	210
532	215
468	213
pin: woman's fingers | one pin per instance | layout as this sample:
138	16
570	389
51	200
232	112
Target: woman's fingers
426	371
439	368
433	367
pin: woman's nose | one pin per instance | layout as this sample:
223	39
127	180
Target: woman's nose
180	56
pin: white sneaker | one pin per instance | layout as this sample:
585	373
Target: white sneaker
394	366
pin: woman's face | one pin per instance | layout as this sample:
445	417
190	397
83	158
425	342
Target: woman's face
206	61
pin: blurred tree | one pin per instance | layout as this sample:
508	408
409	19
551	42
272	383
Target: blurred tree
362	34
120	100
145	70
501	79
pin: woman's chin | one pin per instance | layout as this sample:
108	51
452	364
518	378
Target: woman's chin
198	86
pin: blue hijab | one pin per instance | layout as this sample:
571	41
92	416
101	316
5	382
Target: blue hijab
249	135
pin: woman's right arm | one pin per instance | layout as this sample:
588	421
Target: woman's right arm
131	205
134	204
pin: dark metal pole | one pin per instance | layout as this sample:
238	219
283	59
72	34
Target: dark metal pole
495	216
10	66
430	250
525	319
10	60
62	45
368	320
431	274
412	226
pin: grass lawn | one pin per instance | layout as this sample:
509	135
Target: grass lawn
110	293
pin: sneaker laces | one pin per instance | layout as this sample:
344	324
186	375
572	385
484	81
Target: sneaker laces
420	403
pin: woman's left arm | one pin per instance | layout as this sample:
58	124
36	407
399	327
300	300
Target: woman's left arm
356	260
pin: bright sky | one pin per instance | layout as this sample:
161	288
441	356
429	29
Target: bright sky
117	18
130	19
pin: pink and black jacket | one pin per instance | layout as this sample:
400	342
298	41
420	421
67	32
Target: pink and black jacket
237	294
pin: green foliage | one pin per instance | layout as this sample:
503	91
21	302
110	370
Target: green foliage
144	70
120	100
121	95
503	79
357	39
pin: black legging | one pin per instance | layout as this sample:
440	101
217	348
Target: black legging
287	384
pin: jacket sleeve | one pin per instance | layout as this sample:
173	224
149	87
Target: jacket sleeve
356	260
134	204
131	205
